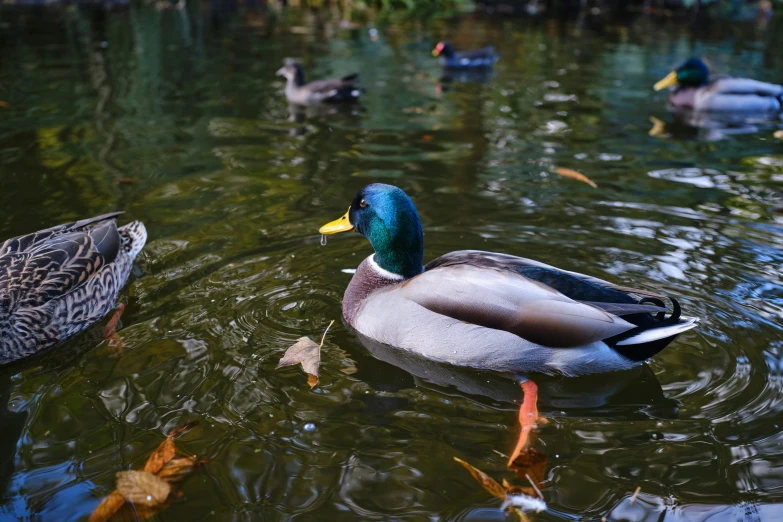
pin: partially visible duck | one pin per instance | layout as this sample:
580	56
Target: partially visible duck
491	311
450	58
61	280
695	90
324	91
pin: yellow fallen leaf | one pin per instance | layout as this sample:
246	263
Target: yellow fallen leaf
142	488
306	353
779	134
658	128
569	173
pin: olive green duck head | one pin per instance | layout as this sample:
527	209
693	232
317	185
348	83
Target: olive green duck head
691	73
386	216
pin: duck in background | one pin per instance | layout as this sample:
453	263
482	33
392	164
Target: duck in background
492	311
299	92
56	282
695	90
449	58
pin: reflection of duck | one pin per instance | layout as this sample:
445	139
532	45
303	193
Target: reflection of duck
480	58
695	90
705	126
323	91
491	311
593	395
11	426
59	281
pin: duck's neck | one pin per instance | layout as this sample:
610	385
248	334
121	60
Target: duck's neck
368	278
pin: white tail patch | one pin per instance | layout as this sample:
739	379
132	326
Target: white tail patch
663	332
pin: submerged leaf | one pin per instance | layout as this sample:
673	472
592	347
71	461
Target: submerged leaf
166	450
169	470
514	498
569	173
306	353
487	482
178	469
107	507
142	488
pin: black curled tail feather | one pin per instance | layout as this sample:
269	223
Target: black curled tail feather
646	322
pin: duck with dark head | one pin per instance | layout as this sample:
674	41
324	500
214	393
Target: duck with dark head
478	59
694	89
488	310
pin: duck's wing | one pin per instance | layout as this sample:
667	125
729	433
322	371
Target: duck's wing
338	89
506	300
48	264
740	94
477	53
579	287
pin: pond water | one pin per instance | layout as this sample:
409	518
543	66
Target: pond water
176	117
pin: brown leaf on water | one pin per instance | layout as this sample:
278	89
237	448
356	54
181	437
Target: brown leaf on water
178	469
4	104
658	128
142	488
126	181
569	173
107	507
165	451
485	480
161	462
778	134
306	353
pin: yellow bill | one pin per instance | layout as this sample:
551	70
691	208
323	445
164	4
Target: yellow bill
669	80
342	224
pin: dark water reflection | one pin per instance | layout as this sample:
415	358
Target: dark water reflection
177	118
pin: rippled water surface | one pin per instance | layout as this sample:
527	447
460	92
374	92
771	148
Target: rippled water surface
176	118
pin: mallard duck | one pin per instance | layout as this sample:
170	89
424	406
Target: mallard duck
297	91
452	59
59	281
696	91
491	311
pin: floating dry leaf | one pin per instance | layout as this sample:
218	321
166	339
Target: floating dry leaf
569	173
3	104
658	128
163	466
306	353
779	134
142	488
514	498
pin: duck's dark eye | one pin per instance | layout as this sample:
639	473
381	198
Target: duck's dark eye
362	203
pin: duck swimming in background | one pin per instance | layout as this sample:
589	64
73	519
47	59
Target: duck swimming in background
56	282
695	90
452	59
491	311
297	91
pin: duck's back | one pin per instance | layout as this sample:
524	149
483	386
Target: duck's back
505	313
727	93
58	281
